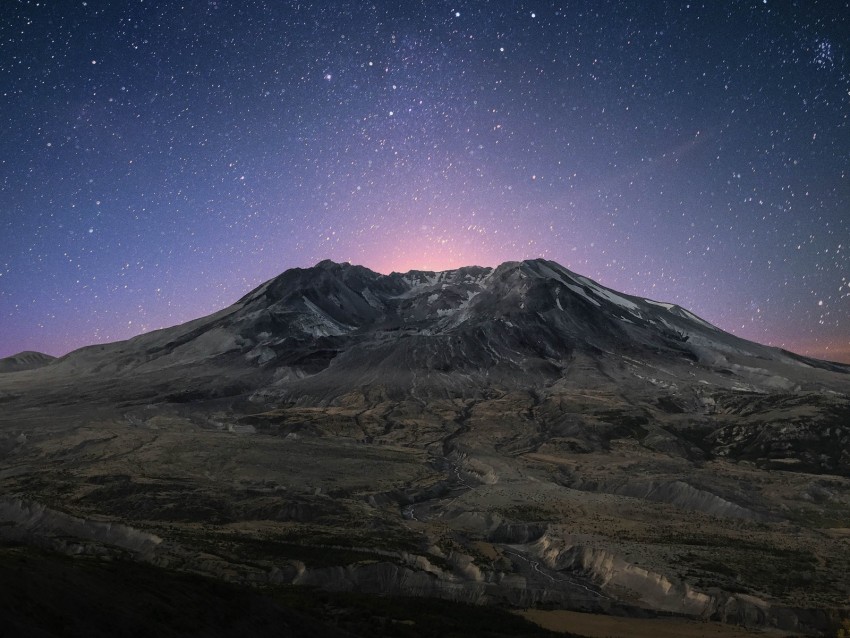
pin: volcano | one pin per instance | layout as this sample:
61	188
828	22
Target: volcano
518	435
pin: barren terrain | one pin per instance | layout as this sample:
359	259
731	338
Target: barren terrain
636	471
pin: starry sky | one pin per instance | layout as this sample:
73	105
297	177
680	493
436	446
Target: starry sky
159	159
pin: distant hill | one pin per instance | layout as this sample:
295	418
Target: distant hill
26	360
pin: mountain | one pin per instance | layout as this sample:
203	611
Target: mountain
519	435
27	360
314	332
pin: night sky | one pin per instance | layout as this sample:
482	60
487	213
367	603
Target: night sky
159	159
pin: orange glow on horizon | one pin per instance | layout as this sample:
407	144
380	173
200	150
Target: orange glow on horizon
436	263
424	253
840	352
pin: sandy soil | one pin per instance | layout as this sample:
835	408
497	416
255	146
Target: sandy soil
598	626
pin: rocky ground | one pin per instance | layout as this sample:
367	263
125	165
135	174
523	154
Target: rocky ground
474	501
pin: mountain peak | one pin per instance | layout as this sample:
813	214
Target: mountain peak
329	264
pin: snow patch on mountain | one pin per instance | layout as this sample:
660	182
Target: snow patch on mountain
371	299
687	314
319	324
460	313
581	292
661	304
608	295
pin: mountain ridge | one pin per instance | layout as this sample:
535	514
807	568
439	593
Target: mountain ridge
312	332
399	285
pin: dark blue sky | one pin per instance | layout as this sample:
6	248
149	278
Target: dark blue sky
159	159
